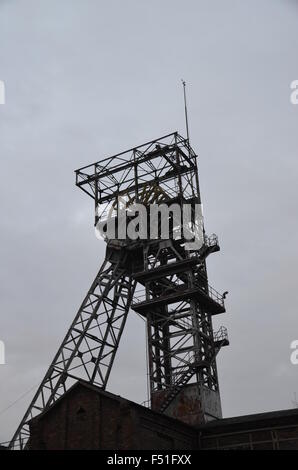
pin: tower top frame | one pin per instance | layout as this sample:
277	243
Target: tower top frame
168	161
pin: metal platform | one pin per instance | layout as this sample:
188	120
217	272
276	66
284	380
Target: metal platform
214	306
166	270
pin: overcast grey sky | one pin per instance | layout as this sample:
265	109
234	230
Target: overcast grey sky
86	79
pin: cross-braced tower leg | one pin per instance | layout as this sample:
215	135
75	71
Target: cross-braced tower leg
89	347
178	305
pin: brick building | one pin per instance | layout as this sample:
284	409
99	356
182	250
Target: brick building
88	418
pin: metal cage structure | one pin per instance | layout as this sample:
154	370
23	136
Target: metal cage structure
161	279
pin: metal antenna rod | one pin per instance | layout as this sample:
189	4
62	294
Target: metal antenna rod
185	109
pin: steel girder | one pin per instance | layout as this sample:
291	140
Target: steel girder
180	334
89	347
181	344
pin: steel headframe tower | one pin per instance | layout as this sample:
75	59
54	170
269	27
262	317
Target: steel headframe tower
173	293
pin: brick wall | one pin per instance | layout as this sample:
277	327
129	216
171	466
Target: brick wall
88	418
266	431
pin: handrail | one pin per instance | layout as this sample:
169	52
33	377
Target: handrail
221	334
209	291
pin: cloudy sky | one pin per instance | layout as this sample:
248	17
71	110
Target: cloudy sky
86	79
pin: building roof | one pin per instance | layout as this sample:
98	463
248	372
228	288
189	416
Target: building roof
258	420
237	423
100	391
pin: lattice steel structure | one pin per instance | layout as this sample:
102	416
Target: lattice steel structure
173	294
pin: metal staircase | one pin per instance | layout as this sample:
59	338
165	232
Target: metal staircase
187	372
